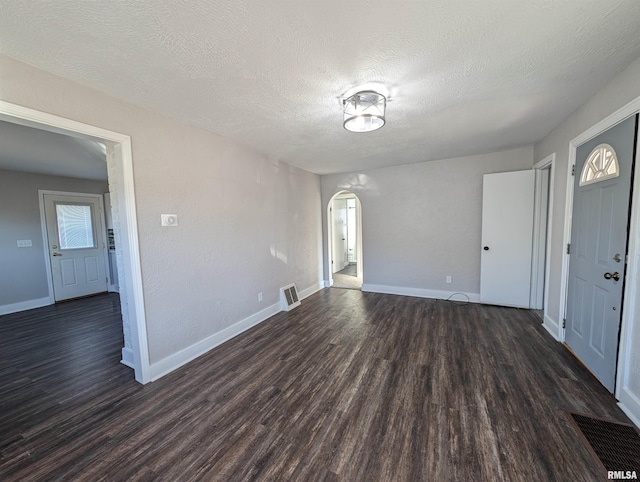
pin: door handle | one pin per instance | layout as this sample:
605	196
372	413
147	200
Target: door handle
615	276
57	254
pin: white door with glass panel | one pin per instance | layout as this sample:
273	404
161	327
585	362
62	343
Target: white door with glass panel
75	245
598	250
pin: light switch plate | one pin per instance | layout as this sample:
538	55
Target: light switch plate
169	219
24	243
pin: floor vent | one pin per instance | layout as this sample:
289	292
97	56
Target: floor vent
616	445
289	297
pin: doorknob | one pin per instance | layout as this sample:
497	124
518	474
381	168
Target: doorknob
615	276
57	254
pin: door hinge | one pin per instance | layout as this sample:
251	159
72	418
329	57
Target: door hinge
573	170
568	248
564	323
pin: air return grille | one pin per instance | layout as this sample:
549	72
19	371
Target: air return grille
289	297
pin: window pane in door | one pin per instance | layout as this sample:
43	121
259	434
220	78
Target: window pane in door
75	227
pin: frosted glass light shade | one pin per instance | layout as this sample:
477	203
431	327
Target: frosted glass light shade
364	111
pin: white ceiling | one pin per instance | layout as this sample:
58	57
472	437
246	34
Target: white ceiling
463	76
32	150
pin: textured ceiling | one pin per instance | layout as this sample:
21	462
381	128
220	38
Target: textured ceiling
463	76
33	150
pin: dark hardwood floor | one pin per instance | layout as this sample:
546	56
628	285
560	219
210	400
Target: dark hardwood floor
350	386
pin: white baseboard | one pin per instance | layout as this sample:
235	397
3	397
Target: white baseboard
552	327
422	293
170	363
311	290
127	357
630	405
327	283
25	305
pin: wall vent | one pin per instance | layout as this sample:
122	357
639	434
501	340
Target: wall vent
289	297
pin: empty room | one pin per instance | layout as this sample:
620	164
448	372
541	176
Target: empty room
319	240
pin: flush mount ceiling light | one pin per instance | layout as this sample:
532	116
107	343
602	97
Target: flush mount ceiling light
364	111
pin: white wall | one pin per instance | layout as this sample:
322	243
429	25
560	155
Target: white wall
23	276
246	224
624	88
422	222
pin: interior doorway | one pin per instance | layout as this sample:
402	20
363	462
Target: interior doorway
120	177
345	240
543	208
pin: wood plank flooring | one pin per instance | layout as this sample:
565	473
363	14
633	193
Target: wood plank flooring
350	386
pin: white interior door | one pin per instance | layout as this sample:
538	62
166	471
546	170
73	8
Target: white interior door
507	238
352	230
599	227
75	244
339	251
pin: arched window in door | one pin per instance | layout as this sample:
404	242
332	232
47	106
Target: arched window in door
601	164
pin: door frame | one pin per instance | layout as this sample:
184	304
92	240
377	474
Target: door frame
632	279
359	267
539	219
45	236
121	185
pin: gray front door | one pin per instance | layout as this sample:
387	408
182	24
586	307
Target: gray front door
599	227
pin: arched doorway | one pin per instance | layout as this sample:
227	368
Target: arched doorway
344	215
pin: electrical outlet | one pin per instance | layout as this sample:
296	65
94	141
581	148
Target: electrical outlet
448	279
260	296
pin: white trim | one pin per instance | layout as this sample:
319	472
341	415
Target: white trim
328	283
45	247
551	326
127	357
132	265
25	305
184	356
360	265
547	267
192	352
538	224
305	293
422	293
629	316
630	405
128	223
45	234
548	162
566	236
